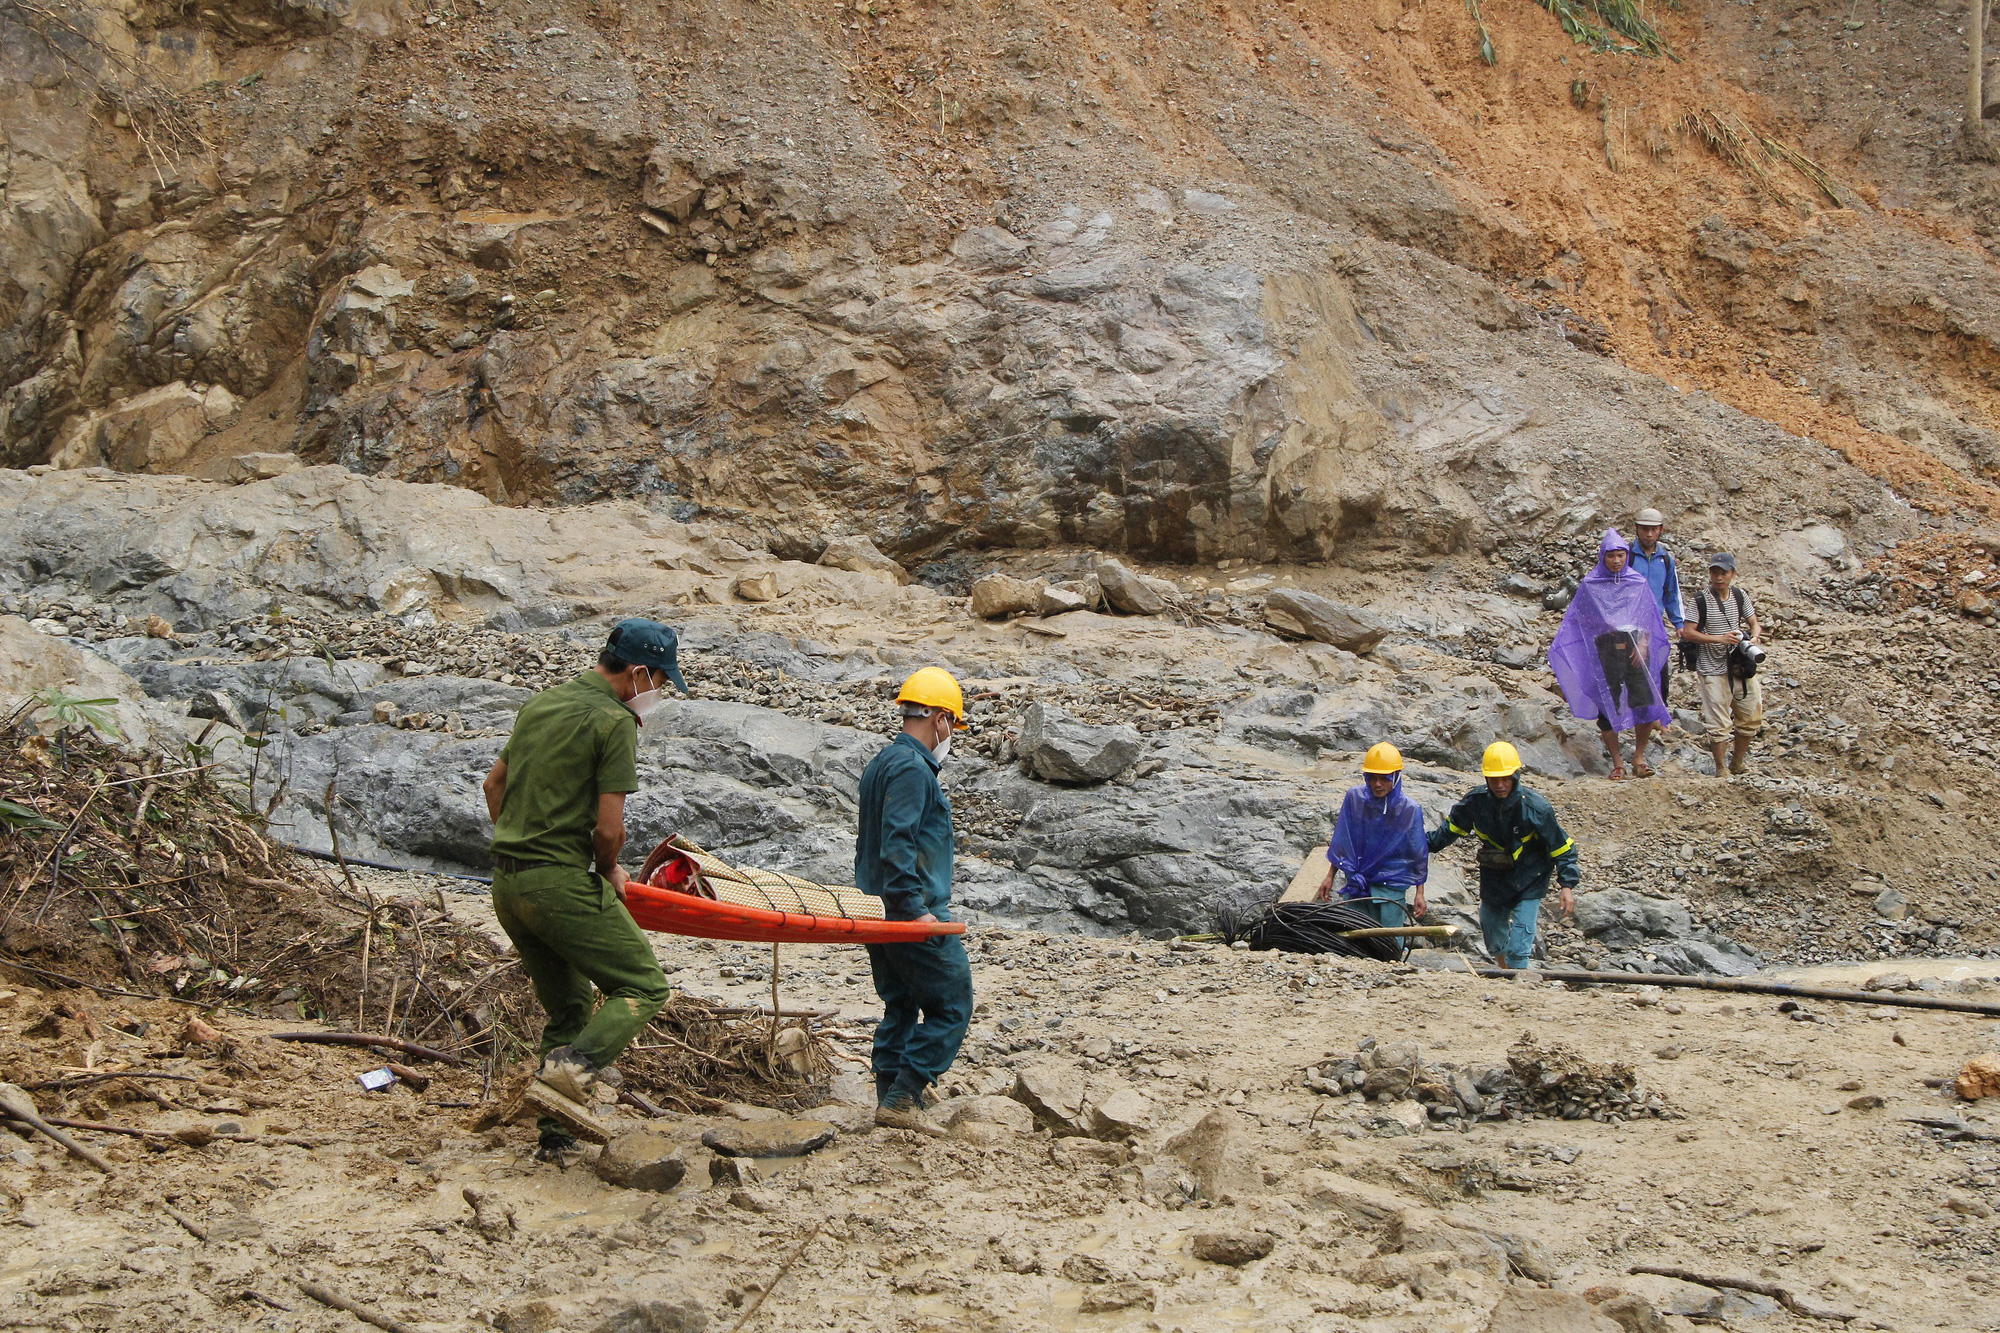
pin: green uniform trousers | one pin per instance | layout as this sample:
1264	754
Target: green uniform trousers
573	933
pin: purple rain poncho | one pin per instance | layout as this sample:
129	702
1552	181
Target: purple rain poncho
1612	646
1379	844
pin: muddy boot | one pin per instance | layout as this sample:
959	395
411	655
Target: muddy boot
904	1109
883	1084
555	1141
571	1114
568	1073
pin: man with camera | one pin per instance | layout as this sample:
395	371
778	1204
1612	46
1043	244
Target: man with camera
1725	627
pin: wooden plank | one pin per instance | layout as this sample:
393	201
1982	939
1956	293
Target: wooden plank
1305	884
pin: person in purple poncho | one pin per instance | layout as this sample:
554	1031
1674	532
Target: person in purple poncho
1610	651
1378	842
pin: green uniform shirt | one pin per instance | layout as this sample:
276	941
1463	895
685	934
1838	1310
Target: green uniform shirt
571	743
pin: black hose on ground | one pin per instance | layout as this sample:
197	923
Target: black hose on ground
1748	986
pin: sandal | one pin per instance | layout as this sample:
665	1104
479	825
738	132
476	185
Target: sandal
1618	773
1641	769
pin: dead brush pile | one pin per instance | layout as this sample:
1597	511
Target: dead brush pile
142	875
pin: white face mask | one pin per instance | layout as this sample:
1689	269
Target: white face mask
644	702
943	749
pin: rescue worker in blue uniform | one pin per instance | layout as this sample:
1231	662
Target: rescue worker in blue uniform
1521	846
902	855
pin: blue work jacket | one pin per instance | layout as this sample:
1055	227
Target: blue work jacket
1663	578
902	847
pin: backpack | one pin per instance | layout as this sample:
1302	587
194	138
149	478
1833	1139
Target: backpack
1691	652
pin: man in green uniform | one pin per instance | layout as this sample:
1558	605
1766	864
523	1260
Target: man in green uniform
557	799
1520	847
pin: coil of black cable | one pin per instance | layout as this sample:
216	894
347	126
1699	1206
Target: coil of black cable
1310	928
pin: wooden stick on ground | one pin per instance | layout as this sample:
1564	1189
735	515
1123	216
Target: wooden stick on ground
100	1076
366	1314
100	1127
409	1048
630	1098
188	1224
1783	1295
758	1304
20	1106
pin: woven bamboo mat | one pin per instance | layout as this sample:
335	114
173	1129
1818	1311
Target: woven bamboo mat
775	891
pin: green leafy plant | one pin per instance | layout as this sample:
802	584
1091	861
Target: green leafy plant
1486	51
1620	18
72	710
14	815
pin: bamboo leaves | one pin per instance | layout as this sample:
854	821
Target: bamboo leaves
1617	18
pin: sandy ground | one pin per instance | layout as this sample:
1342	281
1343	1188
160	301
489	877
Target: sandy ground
1766	1173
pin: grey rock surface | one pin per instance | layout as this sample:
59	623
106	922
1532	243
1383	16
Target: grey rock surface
1060	748
1657	935
1125	591
642	1159
860	555
1000	595
1307	615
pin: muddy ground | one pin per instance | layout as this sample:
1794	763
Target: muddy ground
1774	1167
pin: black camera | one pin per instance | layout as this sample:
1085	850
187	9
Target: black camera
1745	659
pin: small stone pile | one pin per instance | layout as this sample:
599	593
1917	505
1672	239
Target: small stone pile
1556	1082
1550	1082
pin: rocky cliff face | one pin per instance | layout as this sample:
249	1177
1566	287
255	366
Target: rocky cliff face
1286	283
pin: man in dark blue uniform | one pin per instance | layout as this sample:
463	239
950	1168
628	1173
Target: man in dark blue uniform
902	855
1521	847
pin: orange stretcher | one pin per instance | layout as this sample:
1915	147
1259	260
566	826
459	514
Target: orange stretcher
683	890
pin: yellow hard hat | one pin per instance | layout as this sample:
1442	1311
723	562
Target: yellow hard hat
934	687
1500	761
1382	757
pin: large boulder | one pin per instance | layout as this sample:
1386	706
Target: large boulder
1059	748
1217	1152
1127	592
1306	615
1623	919
1000	595
1054	1093
859	555
31	661
1058	598
153	429
643	1159
1658	935
1533	1310
783	1137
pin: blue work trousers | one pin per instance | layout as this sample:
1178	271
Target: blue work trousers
1510	931
926	991
1389	906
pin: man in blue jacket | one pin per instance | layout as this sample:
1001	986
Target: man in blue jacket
1656	563
902	855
